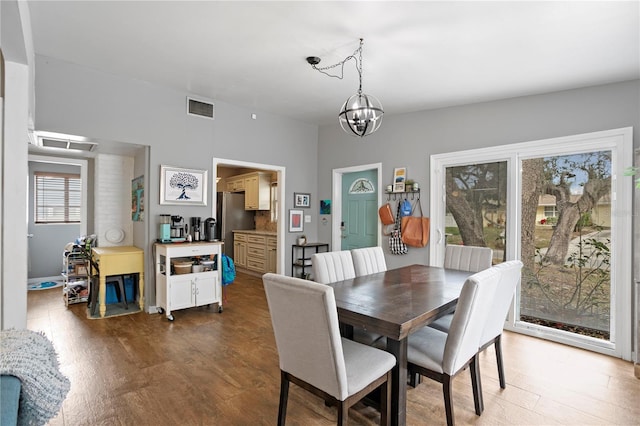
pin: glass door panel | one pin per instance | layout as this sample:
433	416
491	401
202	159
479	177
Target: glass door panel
566	243
476	206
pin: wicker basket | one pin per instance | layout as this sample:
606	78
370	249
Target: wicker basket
182	266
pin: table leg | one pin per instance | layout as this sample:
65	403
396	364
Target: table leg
398	381
141	290
346	331
102	295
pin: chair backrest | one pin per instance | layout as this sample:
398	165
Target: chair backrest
510	276
467	258
332	266
305	324
368	260
469	319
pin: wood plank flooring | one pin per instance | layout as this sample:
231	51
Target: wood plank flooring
207	368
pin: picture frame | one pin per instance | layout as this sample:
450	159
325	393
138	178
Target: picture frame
399	178
296	220
137	199
301	200
180	186
325	206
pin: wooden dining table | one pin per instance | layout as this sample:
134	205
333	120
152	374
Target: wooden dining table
396	303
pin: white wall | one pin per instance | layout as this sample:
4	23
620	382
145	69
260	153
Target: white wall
83	101
408	140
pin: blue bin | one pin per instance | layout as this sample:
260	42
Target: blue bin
130	288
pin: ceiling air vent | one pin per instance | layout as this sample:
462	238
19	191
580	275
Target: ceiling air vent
200	108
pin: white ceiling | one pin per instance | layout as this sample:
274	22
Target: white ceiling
417	55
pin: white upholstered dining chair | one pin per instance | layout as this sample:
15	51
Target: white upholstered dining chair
368	260
332	266
314	356
500	304
463	258
441	356
467	258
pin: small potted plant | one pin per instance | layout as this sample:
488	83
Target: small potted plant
408	185
302	240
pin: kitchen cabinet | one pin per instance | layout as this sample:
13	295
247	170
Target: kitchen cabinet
182	291
235	183
240	249
272	254
257	191
257	251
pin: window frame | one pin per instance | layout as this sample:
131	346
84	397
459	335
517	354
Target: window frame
619	141
38	176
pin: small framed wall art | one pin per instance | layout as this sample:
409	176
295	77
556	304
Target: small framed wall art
183	186
301	200
399	178
296	220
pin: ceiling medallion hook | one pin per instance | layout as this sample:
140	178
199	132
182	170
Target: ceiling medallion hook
361	114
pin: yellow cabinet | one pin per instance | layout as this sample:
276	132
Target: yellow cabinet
235	184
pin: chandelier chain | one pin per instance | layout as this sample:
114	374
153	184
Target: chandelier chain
342	63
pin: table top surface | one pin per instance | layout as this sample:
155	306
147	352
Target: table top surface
398	301
117	250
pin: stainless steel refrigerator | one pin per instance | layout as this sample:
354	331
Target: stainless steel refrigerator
230	216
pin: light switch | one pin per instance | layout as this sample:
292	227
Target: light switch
307	218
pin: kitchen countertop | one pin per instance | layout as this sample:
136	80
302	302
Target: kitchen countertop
255	232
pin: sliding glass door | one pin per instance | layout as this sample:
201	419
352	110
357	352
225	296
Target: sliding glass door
552	204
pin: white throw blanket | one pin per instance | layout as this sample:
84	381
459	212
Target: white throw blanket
30	356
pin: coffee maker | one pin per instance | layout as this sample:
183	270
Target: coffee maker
178	228
165	228
195	229
210	229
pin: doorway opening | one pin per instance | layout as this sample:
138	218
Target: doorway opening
277	192
349	212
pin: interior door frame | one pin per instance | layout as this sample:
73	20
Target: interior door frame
620	142
281	224
336	196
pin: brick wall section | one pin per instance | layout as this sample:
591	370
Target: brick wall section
113	175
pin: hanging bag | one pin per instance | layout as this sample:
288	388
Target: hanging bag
386	215
415	229
396	245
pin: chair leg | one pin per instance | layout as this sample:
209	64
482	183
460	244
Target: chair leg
498	346
448	404
385	402
284	395
476	384
343	413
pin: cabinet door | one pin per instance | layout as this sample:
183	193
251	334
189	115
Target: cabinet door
251	192
181	292
205	285
272	255
240	253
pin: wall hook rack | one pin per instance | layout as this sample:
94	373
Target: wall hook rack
415	195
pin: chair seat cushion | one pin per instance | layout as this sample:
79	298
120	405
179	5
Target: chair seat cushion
366	337
364	364
443	323
426	348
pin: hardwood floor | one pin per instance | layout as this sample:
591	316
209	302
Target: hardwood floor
207	368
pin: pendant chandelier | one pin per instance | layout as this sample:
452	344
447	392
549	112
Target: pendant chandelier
361	114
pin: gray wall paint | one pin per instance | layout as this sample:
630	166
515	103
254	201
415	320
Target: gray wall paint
408	140
48	242
83	101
